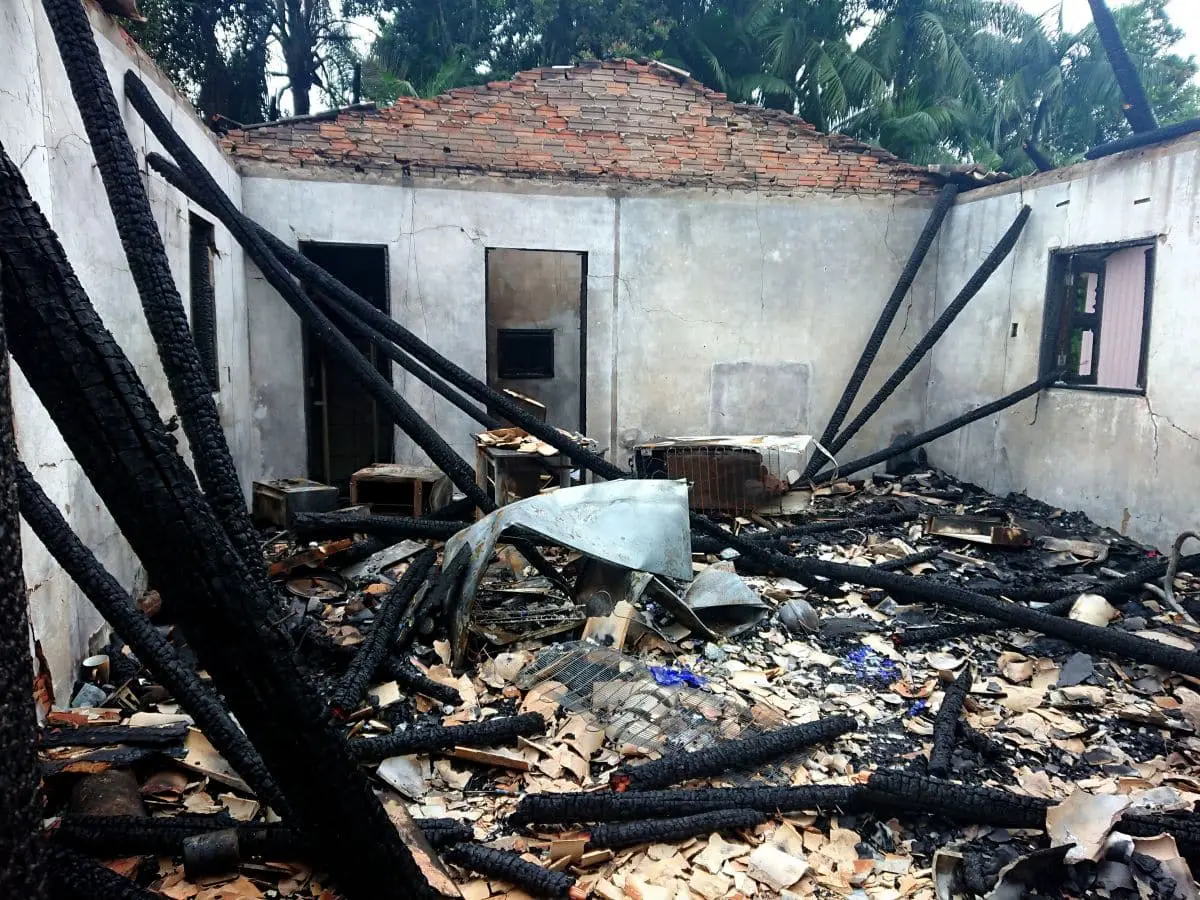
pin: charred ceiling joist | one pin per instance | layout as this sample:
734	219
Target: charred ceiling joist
610	806
102	410
116	836
932	226
976	282
21	870
945	726
727	756
671	831
506	866
147	257
488	733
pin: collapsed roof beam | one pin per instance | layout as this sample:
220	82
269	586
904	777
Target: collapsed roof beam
94	395
925	437
1136	107
22	871
161	303
321	328
985	271
932	226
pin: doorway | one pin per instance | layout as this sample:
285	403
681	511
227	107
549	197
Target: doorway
536	339
347	430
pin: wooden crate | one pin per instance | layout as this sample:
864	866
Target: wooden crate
394	489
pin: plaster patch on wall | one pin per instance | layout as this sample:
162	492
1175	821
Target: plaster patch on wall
759	398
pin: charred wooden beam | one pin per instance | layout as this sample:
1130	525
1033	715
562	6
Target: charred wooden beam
1144	139
610	806
1136	107
396	603
21	863
507	866
671	831
488	733
945	726
147	256
410	679
907	275
320	327
966	804
992	262
727	756
912	559
392	528
106	417
810	528
439	599
904	446
103	735
1091	637
1037	157
978	742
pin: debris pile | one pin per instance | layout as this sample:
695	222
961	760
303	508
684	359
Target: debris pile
628	754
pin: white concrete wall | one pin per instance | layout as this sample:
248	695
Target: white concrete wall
1130	462
678	283
41	130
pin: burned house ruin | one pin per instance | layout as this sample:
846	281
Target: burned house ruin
598	290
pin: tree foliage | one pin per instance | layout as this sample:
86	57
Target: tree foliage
931	80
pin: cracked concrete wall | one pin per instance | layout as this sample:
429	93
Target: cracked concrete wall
1129	462
682	287
41	130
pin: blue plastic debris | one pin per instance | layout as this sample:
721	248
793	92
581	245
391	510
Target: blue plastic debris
917	707
870	667
668	677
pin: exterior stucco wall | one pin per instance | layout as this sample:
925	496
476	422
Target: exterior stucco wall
682	286
1130	462
41	130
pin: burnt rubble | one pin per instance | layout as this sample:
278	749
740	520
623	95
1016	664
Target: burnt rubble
907	688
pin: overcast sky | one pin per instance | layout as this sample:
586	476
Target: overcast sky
1076	13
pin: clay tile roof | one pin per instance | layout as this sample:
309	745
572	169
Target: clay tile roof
614	121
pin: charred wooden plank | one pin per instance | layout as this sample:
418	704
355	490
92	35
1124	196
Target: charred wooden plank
671	831
506	866
488	733
733	755
945	726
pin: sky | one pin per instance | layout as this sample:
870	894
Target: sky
1185	14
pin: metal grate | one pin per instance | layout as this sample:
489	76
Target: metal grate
731	480
623	697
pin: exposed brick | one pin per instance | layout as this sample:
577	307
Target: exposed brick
612	121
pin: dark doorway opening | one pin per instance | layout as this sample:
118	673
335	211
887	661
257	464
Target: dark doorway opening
346	429
536	336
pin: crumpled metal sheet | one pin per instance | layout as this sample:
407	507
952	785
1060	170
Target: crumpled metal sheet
636	524
724	603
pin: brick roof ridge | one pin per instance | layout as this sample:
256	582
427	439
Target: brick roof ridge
613	119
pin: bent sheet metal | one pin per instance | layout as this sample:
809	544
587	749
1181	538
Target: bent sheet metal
641	525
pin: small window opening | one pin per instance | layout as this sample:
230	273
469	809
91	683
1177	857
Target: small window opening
202	249
525	352
1098	316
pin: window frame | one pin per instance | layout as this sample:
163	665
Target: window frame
1056	294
